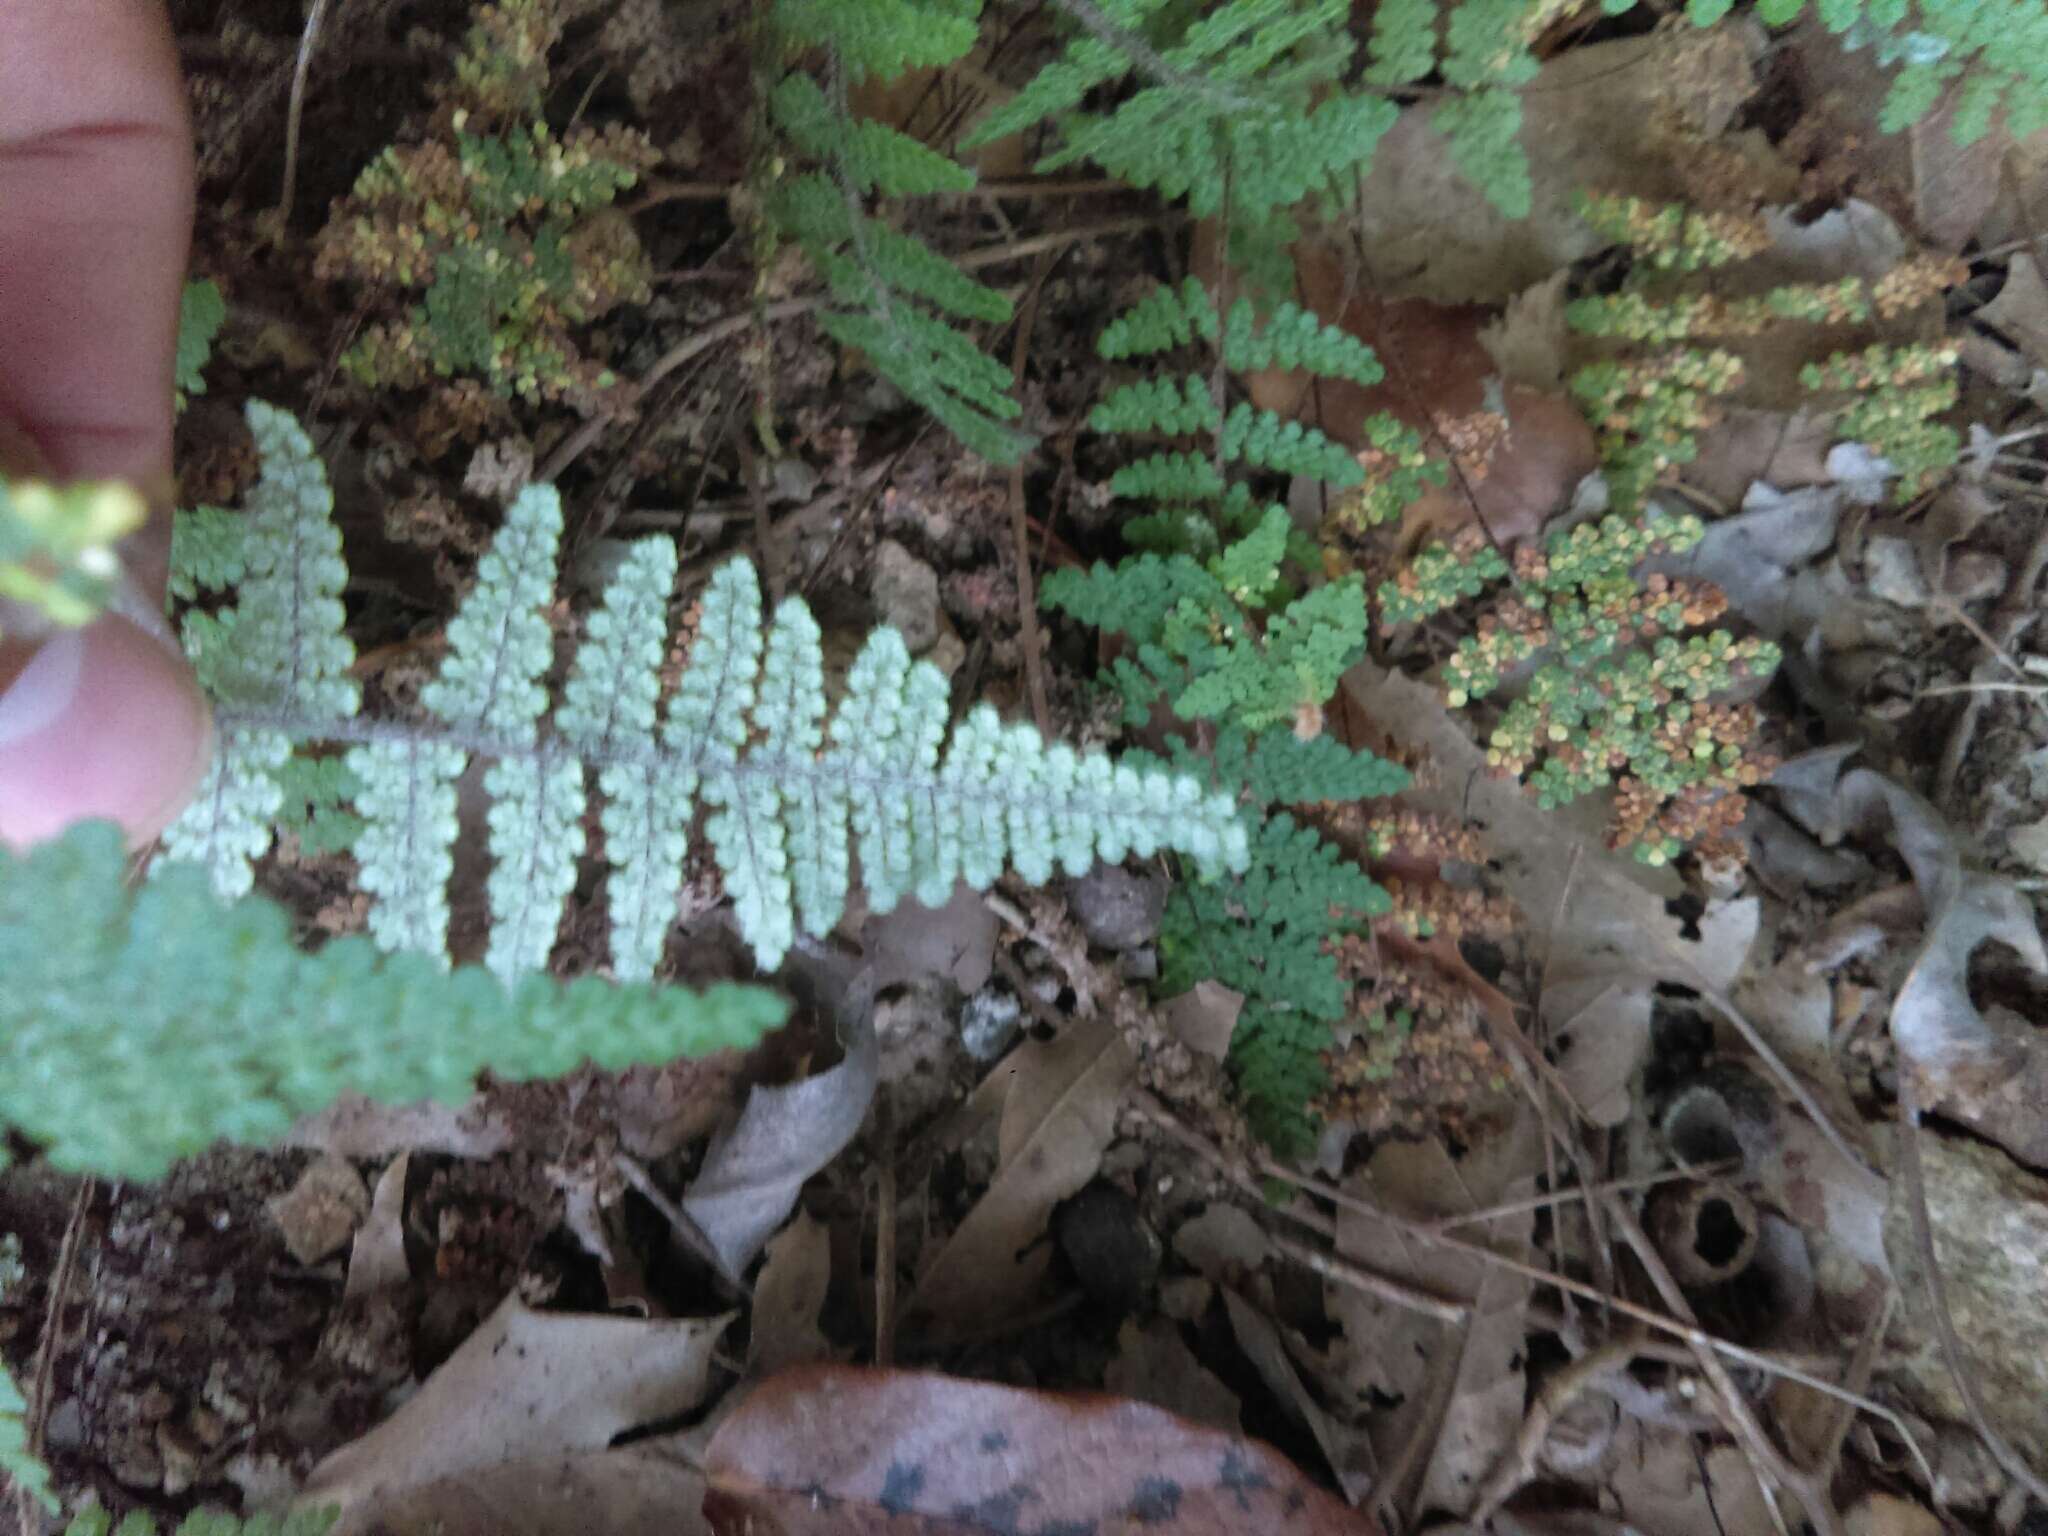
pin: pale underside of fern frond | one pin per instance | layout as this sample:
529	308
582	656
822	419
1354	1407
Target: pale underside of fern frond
791	784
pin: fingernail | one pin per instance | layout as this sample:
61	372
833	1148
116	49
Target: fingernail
44	683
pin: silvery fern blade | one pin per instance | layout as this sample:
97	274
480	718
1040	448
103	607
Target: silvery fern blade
288	661
608	715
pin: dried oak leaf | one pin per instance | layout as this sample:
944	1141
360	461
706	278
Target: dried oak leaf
835	1449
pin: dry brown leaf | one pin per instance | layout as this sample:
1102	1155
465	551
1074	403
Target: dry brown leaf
525	1384
1348	1451
829	1450
754	1171
789	1294
1462	1385
376	1260
1657	1484
1153	1364
1432	236
1204	1018
2020	312
633	1491
1059	1111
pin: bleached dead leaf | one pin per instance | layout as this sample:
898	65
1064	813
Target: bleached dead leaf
754	1171
526	1384
376	1259
956	941
789	1295
1059	1112
355	1127
1657	1485
1529	340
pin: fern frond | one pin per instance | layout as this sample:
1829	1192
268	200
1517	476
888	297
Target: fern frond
143	1027
1483	130
882	37
1177	407
16	1464
1166	318
286	653
1294	339
209	551
205	1522
1261	438
1403	41
1168	477
201	311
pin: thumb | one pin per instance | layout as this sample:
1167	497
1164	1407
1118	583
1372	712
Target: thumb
106	721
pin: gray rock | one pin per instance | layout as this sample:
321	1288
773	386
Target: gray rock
1893	569
1117	909
989	1022
907	596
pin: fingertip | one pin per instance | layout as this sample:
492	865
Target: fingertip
103	722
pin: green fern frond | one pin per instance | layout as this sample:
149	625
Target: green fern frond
1403	41
201	312
16	1464
1239	101
208	551
1177	407
1168	477
1296	340
1483	131
882	37
1164	319
205	1522
1263	440
145	1026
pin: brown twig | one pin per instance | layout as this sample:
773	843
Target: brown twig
1518	1466
1937	1296
1409	1298
53	1324
295	110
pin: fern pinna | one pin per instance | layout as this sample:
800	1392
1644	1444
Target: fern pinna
793	789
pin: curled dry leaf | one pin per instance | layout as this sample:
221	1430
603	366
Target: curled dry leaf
1059	1111
1987	1072
525	1384
789	1295
753	1172
895	1453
